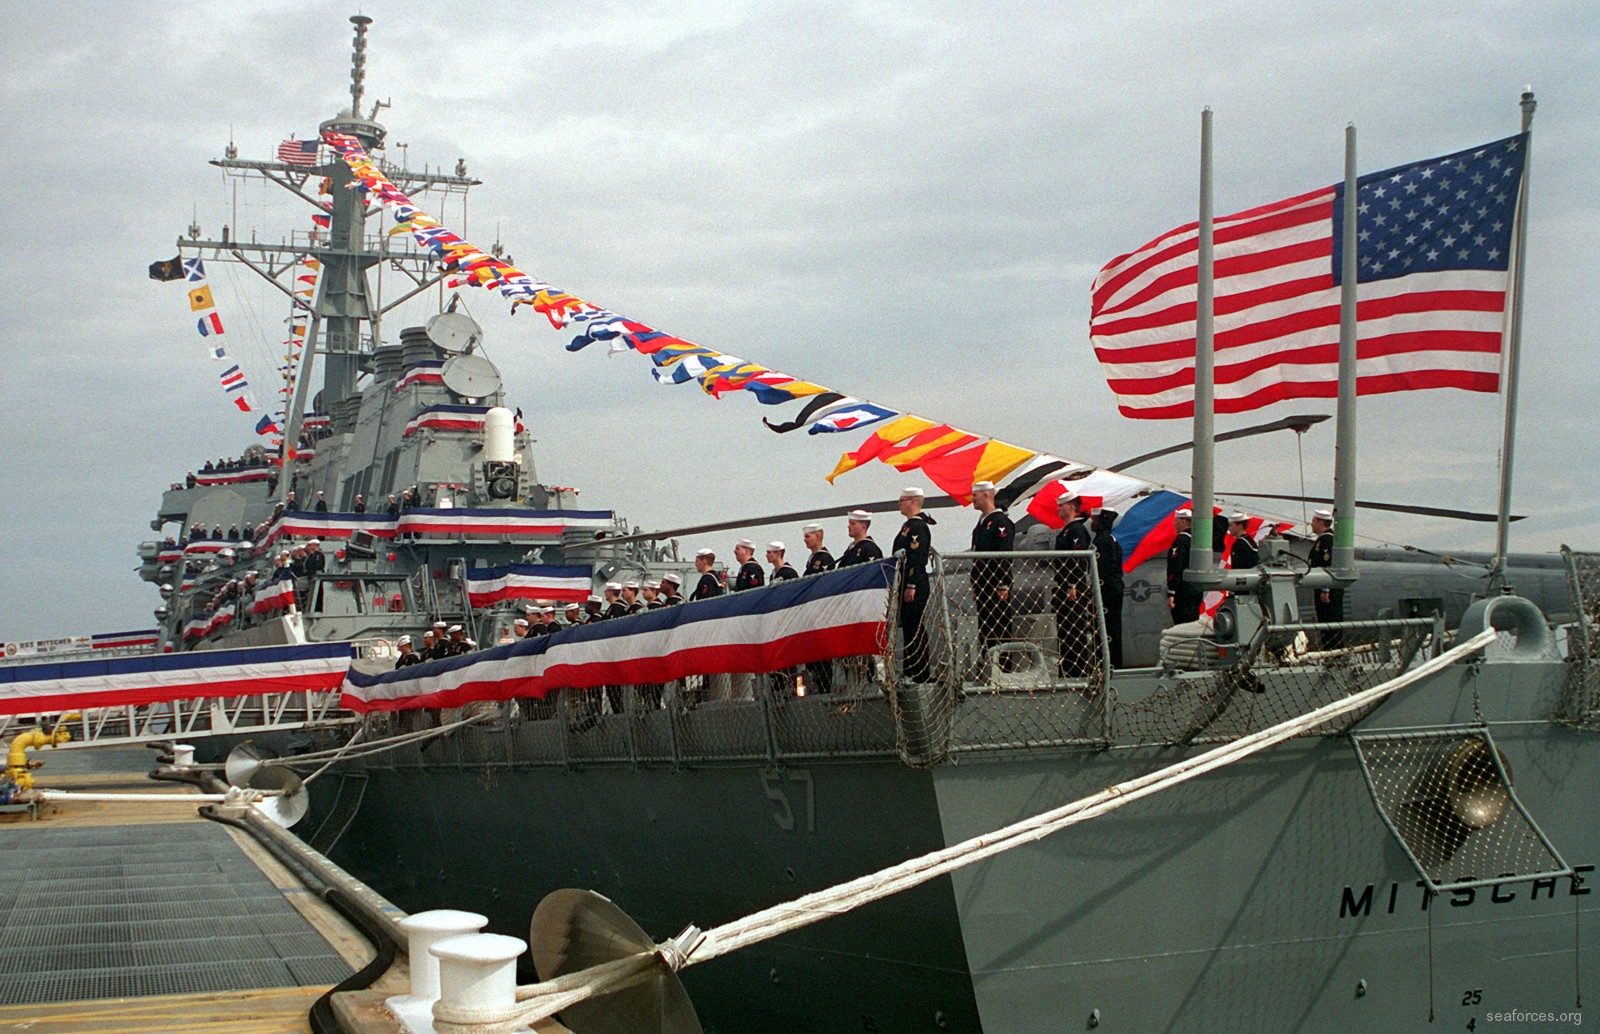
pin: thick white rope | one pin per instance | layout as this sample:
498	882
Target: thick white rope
550	997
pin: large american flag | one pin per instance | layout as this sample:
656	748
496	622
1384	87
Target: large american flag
298	152
1434	255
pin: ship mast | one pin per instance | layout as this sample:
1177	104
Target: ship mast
346	252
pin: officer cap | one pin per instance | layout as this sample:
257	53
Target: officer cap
809	528
860	515
983	486
747	543
912	492
775	547
707	553
1185	512
1326	515
673	578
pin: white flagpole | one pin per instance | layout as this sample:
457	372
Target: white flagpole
1508	435
1201	559
1344	455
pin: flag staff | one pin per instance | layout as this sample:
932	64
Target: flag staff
1344	452
1201	559
1513	364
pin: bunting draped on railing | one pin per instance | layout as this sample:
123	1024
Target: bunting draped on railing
951	458
431	523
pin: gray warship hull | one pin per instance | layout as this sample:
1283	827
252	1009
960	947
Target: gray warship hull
1268	896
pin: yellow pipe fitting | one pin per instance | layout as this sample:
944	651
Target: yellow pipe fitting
18	768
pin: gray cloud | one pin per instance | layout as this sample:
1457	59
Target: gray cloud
904	201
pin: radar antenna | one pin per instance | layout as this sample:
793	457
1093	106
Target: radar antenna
358	62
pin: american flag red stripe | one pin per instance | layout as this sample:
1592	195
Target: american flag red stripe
1277	298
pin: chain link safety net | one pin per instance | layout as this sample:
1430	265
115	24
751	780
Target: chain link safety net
1284	671
1008	652
1580	703
1447	796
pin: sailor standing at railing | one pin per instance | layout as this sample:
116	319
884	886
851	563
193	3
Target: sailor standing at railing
1073	607
1108	565
782	571
671	590
709	585
991	579
862	550
1243	554
407	657
750	575
1329	603
915	540
1182	598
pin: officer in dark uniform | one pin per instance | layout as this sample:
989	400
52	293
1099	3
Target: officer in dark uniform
1329	603
1183	599
1108	565
782	571
360	505
322	504
862	550
991	579
915	540
709	585
393	509
820	559
1244	554
1075	635
750	574
316	563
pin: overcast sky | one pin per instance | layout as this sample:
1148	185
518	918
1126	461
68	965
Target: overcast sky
903	201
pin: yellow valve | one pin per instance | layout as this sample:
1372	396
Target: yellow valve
18	767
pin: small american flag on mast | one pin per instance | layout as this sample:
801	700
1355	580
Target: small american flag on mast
1435	239
298	152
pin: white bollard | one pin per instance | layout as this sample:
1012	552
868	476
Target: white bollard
477	977
415	1010
183	755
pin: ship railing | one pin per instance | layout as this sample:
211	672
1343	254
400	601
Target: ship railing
189	718
1010	652
1580	700
1282	671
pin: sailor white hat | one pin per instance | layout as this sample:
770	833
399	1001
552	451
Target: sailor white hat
594	598
454	628
630	584
547	610
704	553
520	623
912	492
574	605
439	624
405	640
860	515
1326	515
1183	512
776	547
747	543
614	585
809	528
314	542
1068	496
672	577
983	486
1238	518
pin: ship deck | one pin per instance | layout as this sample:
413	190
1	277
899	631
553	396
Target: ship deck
152	918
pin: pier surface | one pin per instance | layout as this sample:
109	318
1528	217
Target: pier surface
125	917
